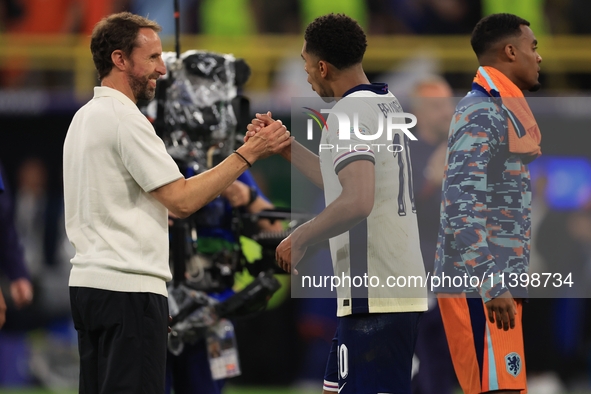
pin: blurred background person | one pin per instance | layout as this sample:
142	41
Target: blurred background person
12	262
432	104
18	288
2	302
39	222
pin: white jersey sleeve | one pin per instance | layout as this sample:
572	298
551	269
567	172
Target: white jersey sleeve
348	145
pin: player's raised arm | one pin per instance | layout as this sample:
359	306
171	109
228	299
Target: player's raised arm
185	196
302	158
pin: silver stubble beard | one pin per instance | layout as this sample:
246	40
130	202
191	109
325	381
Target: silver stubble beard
141	88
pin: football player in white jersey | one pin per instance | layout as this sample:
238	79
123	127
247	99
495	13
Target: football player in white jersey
369	218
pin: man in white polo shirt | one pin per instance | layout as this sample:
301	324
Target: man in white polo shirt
119	185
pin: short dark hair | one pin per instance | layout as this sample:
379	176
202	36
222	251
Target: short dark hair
494	28
337	39
116	31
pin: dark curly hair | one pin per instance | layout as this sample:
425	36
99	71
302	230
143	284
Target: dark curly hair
117	31
337	39
494	28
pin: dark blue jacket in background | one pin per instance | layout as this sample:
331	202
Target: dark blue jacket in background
12	261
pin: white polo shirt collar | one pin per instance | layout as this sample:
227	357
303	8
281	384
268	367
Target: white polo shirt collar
104	91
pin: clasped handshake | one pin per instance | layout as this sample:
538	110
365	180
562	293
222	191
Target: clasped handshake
263	126
266	137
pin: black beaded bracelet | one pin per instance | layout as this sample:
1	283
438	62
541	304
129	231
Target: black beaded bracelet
243	158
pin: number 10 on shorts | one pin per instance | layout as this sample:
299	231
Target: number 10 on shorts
343	361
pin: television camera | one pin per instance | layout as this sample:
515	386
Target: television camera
197	113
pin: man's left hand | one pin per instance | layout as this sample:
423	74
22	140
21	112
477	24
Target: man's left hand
21	291
502	310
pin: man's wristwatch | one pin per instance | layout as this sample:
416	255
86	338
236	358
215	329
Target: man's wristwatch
253	195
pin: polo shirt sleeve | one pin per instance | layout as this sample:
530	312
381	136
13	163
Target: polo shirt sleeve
144	155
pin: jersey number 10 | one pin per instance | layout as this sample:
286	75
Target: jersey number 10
401	176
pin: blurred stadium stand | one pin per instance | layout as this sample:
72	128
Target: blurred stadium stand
62	63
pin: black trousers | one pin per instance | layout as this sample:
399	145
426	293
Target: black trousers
121	339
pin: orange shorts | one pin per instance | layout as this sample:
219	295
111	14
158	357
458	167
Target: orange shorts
485	358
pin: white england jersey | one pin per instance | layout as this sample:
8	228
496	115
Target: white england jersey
384	247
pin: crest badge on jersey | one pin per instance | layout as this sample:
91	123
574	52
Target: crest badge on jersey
513	363
361	130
